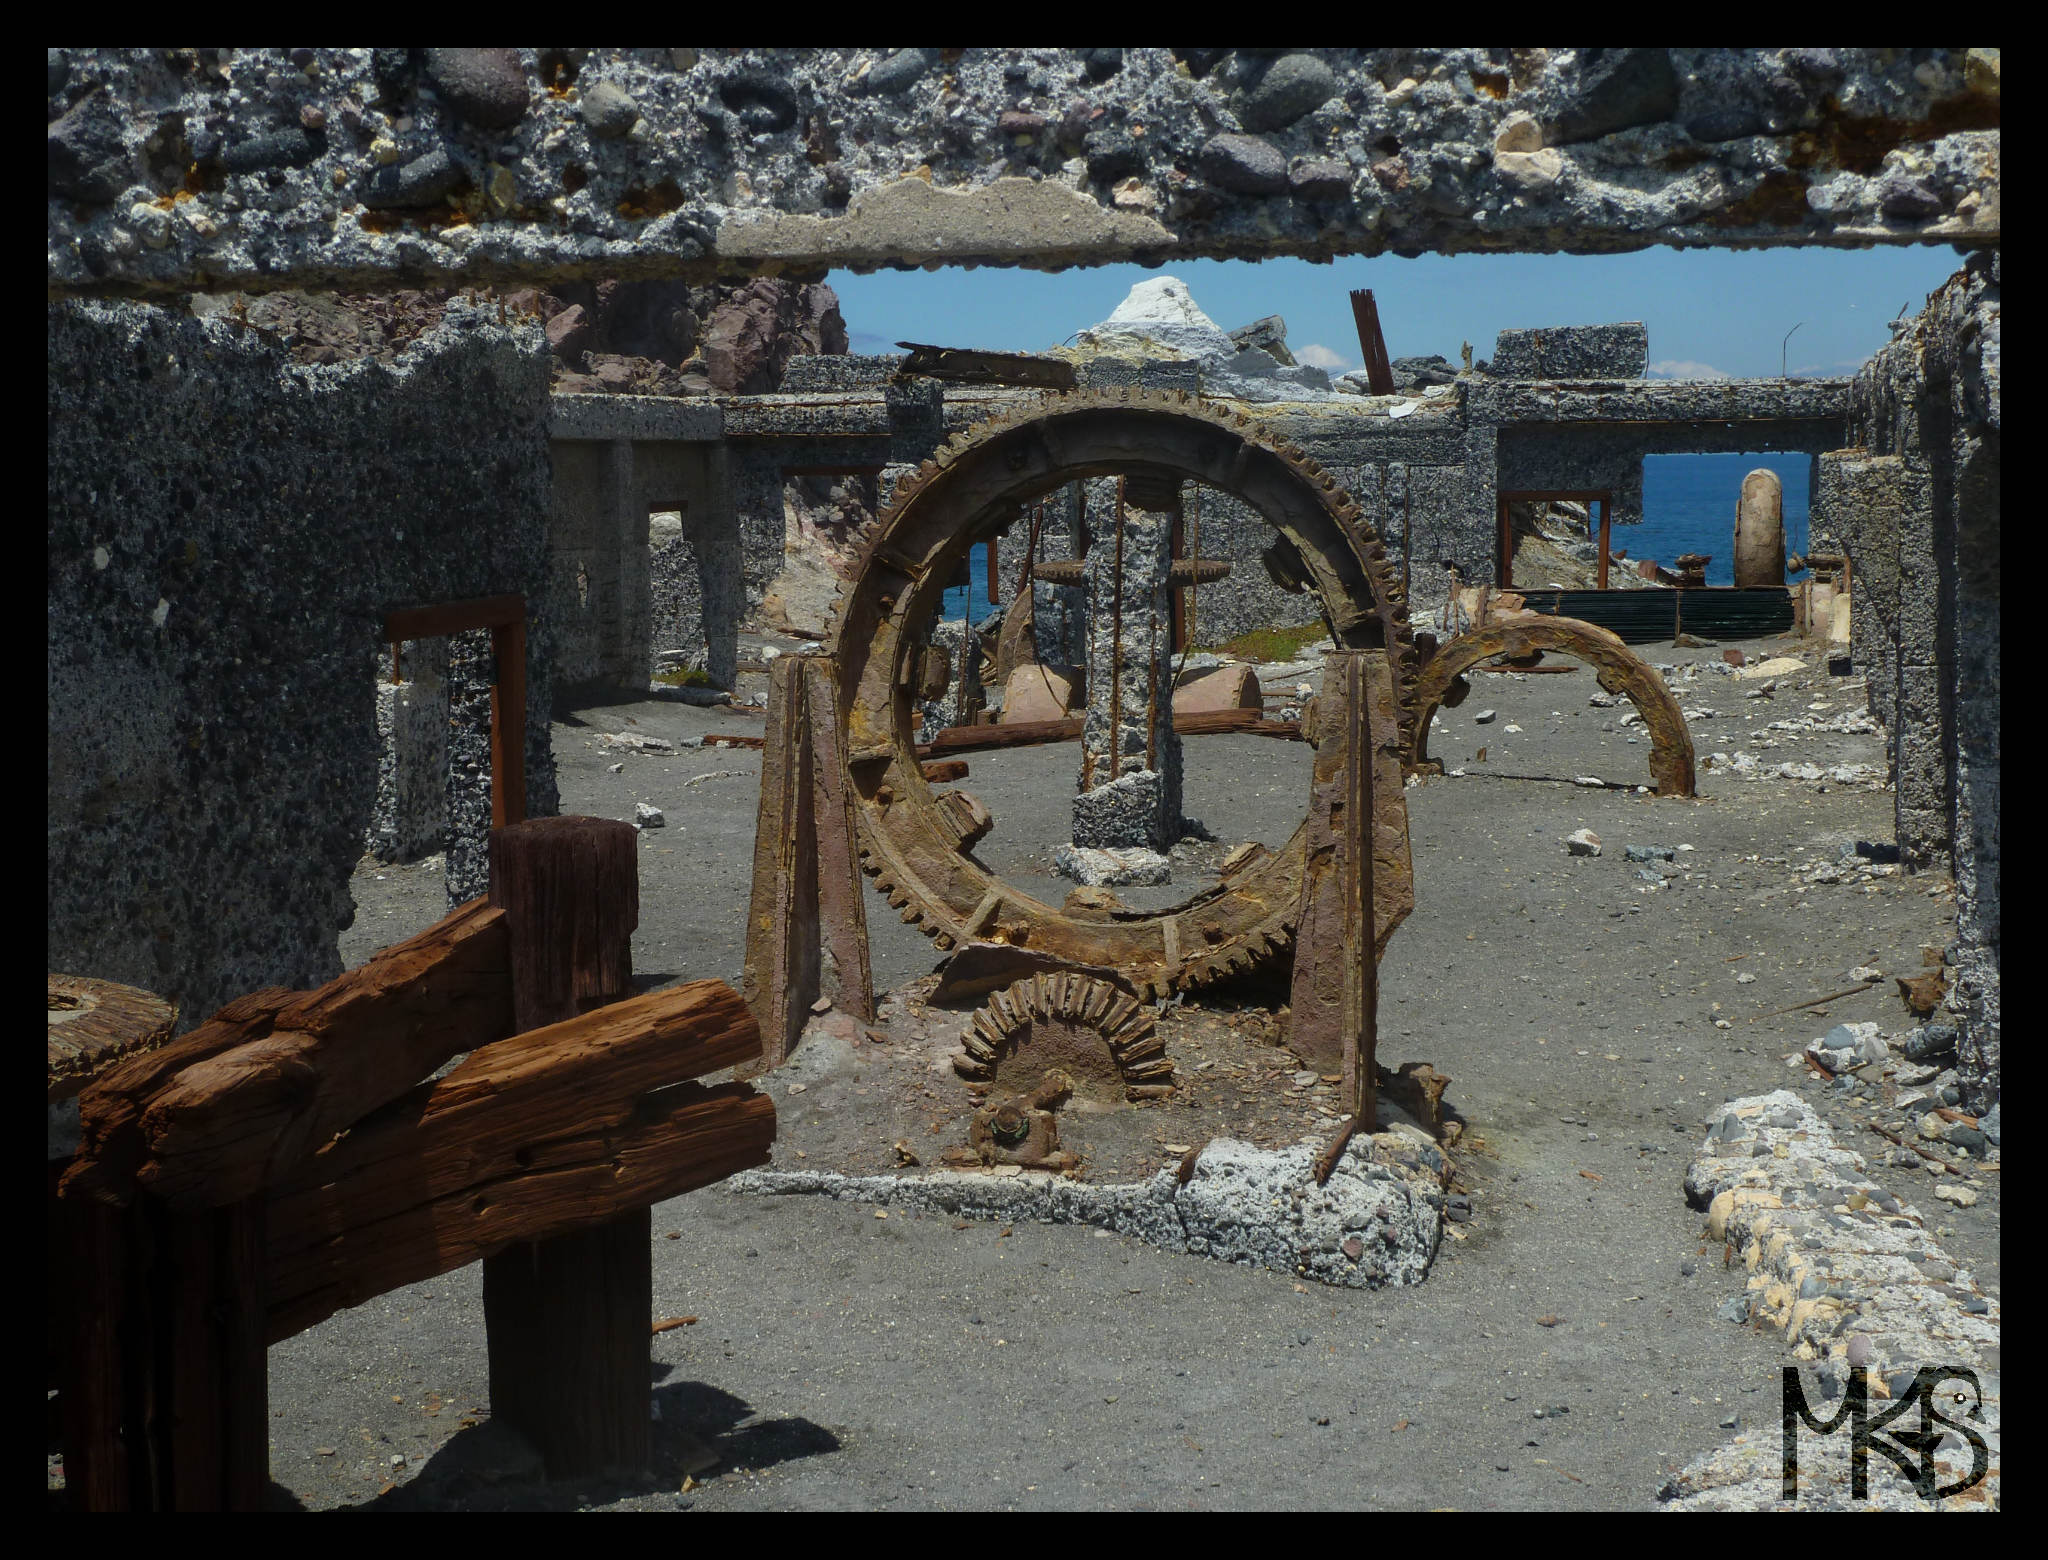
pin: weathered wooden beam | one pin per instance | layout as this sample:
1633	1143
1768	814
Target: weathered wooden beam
452	1176
96	1024
111	1145
229	1124
452	617
1023	733
1030	733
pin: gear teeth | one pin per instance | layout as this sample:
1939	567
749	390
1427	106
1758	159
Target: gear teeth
1389	601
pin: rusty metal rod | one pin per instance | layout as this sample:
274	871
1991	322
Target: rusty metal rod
1326	1161
1817	1001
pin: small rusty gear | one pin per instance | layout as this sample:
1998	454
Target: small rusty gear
974	485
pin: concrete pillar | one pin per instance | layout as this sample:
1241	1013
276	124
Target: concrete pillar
1760	531
1130	758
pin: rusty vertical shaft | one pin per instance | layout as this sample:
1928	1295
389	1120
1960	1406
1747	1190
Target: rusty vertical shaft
1372	345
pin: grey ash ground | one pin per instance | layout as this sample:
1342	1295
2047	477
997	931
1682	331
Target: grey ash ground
1565	1352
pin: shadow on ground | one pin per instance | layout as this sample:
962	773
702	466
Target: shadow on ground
699	1430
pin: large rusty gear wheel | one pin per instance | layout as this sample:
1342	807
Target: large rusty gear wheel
972	487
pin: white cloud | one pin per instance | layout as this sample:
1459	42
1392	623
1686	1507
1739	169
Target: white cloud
1673	368
1316	355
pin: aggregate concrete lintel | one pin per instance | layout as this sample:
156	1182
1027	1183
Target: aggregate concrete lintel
1653	401
176	169
606	417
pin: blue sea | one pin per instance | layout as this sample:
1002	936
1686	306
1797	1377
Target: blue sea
1688	506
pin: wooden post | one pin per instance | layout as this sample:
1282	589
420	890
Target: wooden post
159	1331
569	1320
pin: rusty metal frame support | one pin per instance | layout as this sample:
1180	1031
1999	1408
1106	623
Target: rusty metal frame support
806	915
1334	1000
505	617
907	844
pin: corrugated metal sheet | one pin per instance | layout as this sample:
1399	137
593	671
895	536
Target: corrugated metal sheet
1643	617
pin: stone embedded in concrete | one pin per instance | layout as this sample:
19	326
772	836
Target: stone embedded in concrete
1573	352
1130	781
1377	1221
1123	813
1111	868
1882	146
1865	1288
214	761
1913	499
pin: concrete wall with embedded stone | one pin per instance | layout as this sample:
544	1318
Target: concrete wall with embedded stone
175	168
226	532
1914	501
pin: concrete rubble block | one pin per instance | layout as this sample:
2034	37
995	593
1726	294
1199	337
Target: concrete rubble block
1378	1221
1035	692
1124	813
1114	868
1227	688
1853	1279
1575	352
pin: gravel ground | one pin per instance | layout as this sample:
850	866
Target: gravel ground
841	1361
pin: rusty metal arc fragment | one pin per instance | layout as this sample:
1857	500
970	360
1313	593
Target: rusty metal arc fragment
1620	670
980	480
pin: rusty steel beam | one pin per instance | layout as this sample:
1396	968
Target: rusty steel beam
1372	345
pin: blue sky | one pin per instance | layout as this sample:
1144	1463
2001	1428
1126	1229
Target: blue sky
1711	313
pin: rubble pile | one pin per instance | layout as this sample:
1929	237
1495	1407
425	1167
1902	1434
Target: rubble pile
1850	1274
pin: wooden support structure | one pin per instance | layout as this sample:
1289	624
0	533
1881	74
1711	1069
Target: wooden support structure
228	1125
1356	872
806	917
556	1127
568	1318
284	1160
1588	497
